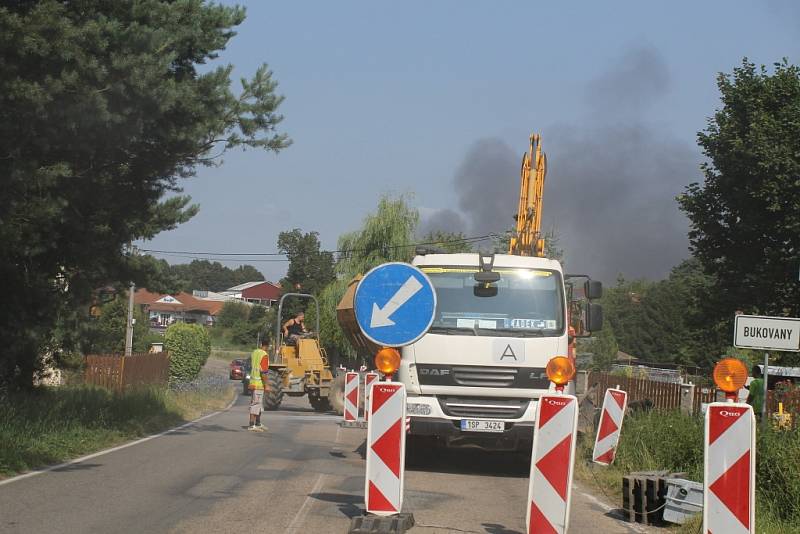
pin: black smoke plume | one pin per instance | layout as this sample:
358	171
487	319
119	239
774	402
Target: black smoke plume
611	182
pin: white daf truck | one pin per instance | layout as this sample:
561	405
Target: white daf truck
474	378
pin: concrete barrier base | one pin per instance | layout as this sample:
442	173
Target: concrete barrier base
353	424
375	524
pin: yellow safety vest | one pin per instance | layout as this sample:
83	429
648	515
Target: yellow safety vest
259	363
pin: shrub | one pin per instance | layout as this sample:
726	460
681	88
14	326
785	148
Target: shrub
189	347
106	334
244	333
233	312
144	342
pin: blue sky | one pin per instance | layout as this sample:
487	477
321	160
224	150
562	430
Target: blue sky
400	97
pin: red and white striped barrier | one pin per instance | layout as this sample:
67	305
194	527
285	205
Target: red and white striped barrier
729	469
550	487
386	448
605	443
351	380
369	378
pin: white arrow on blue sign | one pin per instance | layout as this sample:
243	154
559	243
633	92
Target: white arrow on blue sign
395	304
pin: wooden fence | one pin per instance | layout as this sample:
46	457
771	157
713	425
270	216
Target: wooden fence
703	395
117	372
667	396
663	395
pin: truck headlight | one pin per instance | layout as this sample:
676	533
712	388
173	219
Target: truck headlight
415	408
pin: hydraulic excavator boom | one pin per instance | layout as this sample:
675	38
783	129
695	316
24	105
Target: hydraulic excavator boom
527	239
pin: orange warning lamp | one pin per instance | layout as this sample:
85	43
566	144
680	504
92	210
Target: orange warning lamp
387	360
560	370
730	375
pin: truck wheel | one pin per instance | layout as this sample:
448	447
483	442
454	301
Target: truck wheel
320	404
336	394
273	396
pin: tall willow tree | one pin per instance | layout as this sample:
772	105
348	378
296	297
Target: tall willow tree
386	235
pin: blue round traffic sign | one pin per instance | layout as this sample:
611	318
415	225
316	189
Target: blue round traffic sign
395	304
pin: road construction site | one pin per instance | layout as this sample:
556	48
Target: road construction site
305	474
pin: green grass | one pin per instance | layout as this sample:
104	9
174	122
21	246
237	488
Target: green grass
228	355
221	341
672	441
767	522
51	425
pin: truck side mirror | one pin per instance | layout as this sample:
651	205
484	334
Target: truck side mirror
483	290
594	317
593	289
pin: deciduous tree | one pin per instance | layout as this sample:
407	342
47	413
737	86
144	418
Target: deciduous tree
310	269
212	276
745	217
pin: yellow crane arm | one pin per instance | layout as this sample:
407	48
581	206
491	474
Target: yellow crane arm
527	239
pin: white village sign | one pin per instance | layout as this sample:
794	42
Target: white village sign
767	333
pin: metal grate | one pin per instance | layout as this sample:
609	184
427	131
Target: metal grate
484	407
487	377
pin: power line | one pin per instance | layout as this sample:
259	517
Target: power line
255	256
184	252
237	259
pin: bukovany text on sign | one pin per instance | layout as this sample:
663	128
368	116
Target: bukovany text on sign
767	333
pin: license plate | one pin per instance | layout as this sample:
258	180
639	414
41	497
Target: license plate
482	425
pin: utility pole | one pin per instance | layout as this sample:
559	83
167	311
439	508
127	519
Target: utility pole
765	375
129	324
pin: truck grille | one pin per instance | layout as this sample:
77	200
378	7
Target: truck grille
468	407
482	376
487	377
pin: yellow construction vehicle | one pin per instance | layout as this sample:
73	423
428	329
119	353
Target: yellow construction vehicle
527	239
300	367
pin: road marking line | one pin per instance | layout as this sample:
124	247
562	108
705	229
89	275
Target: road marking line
301	514
113	449
607	508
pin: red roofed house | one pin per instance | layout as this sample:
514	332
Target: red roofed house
163	310
262	292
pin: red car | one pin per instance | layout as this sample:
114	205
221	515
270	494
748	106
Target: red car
237	370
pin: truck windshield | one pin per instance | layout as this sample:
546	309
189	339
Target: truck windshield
527	302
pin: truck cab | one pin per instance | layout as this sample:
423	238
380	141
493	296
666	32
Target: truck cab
475	377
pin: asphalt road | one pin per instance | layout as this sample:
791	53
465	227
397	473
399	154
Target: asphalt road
305	474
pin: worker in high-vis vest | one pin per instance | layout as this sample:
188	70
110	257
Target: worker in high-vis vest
259	366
